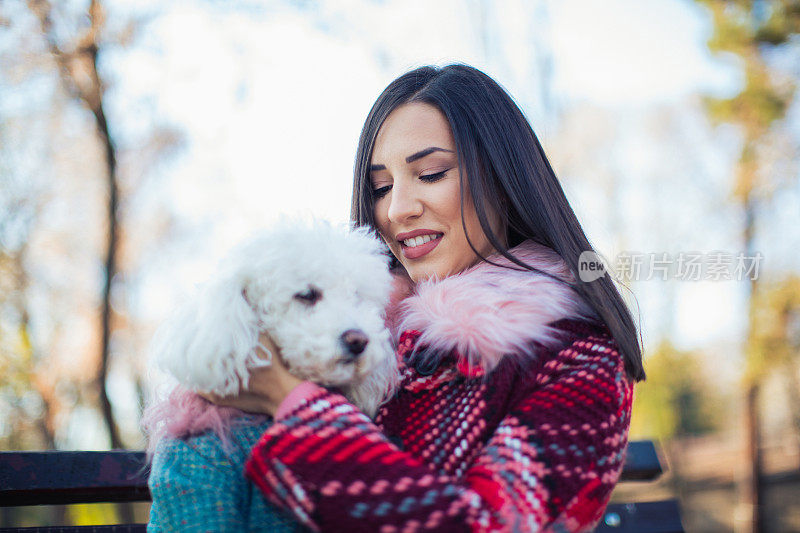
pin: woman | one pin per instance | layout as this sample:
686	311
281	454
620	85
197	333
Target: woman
515	402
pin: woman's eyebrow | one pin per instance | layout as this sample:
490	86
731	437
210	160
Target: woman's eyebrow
413	157
423	153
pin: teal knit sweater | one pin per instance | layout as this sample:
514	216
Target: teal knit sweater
198	485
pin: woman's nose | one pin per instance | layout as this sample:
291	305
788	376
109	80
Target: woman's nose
403	204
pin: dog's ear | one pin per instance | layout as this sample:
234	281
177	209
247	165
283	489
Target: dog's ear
210	343
377	387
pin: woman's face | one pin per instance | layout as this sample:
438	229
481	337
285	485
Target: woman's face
416	184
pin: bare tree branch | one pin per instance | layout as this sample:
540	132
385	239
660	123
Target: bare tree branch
80	77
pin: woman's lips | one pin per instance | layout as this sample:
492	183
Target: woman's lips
419	251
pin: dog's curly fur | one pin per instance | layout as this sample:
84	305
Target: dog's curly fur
305	284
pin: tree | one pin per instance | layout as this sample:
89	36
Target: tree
677	400
751	30
50	59
776	335
77	63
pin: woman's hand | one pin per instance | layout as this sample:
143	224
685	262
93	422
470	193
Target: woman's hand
267	388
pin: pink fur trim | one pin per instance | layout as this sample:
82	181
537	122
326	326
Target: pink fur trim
487	311
183	414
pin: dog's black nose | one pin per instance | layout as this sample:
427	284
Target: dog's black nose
355	340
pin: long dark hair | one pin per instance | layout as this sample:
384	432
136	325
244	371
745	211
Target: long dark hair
508	173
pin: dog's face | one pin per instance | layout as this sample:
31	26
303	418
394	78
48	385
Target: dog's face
321	297
318	291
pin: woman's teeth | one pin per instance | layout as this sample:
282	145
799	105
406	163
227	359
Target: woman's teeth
422	239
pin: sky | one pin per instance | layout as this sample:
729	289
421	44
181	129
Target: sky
633	53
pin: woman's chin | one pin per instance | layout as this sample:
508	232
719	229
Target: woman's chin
420	273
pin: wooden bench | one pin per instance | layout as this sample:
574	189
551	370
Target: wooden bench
60	478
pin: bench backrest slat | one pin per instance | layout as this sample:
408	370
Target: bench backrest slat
117	528
641	462
59	477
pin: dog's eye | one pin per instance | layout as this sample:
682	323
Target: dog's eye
309	297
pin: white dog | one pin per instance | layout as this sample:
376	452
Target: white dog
320	292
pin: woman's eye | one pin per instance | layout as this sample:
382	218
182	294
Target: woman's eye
428	178
433	177
381	192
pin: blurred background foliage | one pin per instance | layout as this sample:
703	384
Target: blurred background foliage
139	139
679	398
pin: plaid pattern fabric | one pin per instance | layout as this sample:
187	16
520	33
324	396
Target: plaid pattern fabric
198	485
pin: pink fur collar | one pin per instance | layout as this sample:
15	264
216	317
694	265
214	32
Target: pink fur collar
487	311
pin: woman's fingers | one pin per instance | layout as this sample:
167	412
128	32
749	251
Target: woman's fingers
222	401
209	397
267	349
267	386
244	401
